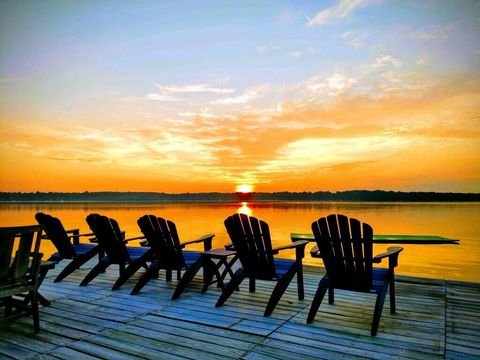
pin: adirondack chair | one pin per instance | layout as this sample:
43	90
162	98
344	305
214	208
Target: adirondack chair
251	241
162	237
112	241
19	267
346	247
67	243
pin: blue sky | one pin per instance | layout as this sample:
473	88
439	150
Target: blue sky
257	92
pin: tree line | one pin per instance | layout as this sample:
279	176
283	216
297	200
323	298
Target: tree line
351	195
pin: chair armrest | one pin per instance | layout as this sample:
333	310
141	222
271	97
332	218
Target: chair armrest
78	235
229	246
392	254
134	238
206	239
93	240
74	235
299	247
144	243
315	252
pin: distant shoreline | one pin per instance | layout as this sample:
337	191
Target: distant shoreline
212	197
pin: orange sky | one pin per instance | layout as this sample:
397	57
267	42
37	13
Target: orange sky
356	103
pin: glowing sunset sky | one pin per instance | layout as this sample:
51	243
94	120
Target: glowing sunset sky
179	96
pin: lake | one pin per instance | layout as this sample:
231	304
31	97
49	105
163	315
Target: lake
453	220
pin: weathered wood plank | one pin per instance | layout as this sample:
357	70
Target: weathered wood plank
66	353
10	350
435	319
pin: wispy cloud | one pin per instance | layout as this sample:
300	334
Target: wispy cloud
249	95
385	61
161	97
356	38
433	32
332	85
196	88
354	137
300	53
169	93
340	10
262	49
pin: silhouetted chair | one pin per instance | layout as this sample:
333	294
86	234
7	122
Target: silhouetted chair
162	237
346	245
67	243
251	241
111	239
19	268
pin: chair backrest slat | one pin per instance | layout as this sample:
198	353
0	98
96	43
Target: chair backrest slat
18	261
109	237
55	231
346	243
162	237
346	248
7	240
252	242
358	255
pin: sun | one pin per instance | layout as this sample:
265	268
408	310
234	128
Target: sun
244	188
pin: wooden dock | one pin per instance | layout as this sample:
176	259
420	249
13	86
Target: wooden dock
435	319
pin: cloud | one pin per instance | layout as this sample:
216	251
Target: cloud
196	88
249	95
433	32
356	38
205	113
161	97
169	93
384	61
262	49
342	9
333	85
300	53
358	139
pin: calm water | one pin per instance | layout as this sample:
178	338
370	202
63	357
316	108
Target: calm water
453	220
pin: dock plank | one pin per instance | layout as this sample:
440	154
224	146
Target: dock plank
435	319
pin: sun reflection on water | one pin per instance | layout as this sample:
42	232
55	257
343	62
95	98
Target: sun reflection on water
244	209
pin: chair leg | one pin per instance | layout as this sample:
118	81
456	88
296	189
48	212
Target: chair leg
300	287
67	270
77	262
280	288
187	277
210	269
232	285
317	299
8	306
101	254
151	273
43	301
99	268
378	308
36	317
228	267
131	269
121	269
251	284
393	307
331	295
